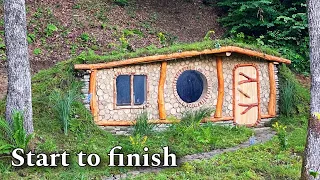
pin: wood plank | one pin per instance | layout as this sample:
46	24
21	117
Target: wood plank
219	106
162	80
92	91
246	110
273	91
167	57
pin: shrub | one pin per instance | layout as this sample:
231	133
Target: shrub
63	105
294	98
287	100
13	136
142	127
280	23
193	118
282	135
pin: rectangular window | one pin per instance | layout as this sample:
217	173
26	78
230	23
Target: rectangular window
123	90
131	90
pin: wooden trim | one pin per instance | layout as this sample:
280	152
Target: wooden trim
157	58
266	116
162	80
218	113
130	123
92	90
258	92
273	91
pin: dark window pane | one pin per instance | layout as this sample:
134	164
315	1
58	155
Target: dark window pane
139	89
190	86
123	90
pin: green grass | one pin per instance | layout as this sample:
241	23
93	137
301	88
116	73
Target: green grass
91	57
85	136
264	161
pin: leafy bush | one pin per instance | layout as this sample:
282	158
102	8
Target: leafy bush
286	100
282	135
193	118
282	24
13	136
294	98
63	105
142	127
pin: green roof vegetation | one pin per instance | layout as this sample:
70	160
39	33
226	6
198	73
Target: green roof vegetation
90	57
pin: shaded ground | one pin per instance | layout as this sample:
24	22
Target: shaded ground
104	23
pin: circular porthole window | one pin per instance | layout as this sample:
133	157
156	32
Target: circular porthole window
191	85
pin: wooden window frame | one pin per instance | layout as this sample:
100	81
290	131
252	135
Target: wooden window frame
132	106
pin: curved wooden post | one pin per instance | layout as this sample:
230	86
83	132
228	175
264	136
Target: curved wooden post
218	113
273	91
162	80
92	91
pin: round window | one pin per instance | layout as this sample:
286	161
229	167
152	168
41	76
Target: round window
190	86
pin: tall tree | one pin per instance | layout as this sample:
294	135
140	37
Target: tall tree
19	77
311	162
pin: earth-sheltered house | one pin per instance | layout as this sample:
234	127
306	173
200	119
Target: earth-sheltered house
240	84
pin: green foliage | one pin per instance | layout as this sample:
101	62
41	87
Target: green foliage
142	127
138	142
50	29
197	46
31	38
282	135
282	24
85	37
13	136
166	39
63	105
207	37
193	118
124	43
162	38
286	100
121	2
37	51
294	98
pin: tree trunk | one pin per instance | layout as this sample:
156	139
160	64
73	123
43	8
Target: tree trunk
311	162
19	77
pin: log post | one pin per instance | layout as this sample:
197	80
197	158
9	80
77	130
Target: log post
92	91
218	113
162	80
273	93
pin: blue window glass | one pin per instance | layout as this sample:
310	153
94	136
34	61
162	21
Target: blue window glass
190	86
123	90
139	89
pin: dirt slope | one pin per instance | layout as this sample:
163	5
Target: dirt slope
99	25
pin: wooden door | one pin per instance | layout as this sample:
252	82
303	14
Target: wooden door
246	94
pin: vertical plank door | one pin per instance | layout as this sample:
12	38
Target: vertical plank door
246	95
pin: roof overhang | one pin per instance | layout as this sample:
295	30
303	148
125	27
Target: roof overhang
158	58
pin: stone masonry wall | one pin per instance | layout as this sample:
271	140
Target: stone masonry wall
106	92
173	104
228	66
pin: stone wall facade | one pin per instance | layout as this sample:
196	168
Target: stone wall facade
174	106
